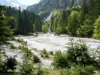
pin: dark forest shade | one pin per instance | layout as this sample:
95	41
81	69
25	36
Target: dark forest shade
24	21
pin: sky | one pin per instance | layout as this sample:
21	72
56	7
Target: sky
28	2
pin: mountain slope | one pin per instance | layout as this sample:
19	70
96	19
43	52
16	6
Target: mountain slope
49	5
13	3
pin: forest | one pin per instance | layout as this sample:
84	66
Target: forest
78	59
82	21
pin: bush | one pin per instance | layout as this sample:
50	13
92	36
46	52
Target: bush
46	56
26	69
51	52
1	64
25	50
41	55
59	60
12	46
77	54
79	70
21	41
44	51
10	63
36	59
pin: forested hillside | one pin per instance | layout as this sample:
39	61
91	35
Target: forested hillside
23	21
51	53
46	6
80	21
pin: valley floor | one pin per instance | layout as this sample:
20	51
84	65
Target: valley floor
48	41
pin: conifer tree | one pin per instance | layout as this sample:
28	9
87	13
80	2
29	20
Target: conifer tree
97	28
5	31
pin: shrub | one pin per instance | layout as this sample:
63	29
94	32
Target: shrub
26	68
51	52
44	51
46	56
12	46
41	55
77	54
59	60
21	41
10	63
79	70
36	59
1	64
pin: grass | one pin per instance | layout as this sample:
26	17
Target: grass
51	72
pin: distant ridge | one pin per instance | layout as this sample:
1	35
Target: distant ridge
13	3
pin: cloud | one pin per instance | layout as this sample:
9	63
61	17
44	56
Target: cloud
29	2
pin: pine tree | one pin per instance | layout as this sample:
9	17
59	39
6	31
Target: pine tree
5	31
83	11
20	29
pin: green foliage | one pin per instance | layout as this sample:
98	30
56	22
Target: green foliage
40	71
5	31
44	13
59	30
84	31
12	46
51	52
42	55
97	28
10	63
26	68
77	54
21	41
25	50
36	33
79	70
46	56
36	59
59	60
78	20
23	21
45	28
73	23
59	21
1	63
44	51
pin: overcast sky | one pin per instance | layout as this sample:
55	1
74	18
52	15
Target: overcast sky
28	2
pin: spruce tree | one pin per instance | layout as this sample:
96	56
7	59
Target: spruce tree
5	31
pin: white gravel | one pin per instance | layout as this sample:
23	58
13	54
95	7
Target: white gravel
50	42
